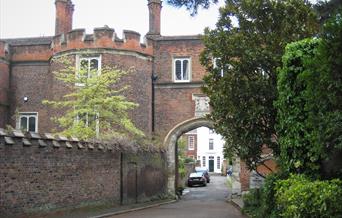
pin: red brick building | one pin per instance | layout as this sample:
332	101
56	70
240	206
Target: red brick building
166	80
191	144
166	75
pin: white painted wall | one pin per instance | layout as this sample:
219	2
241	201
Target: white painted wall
203	136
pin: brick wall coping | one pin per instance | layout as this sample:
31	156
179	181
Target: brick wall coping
179	38
27	139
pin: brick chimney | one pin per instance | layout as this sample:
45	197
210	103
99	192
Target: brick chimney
64	11
154	7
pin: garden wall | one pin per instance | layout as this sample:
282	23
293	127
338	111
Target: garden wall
41	173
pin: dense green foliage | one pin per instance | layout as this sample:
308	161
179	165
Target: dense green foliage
301	197
260	203
296	196
310	101
309	130
94	106
297	119
249	54
192	5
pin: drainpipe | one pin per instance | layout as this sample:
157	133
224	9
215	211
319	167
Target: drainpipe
154	78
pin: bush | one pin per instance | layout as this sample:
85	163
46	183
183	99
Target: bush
298	196
252	201
261	203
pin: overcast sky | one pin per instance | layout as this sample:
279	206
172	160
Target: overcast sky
26	18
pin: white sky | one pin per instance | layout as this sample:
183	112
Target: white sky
30	18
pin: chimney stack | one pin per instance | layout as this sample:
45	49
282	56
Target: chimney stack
154	7
64	12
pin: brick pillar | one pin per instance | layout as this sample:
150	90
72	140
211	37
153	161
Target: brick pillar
64	12
154	7
4	84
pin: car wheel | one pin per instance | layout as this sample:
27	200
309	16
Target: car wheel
204	184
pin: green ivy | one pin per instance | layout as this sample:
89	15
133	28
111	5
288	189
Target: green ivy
296	115
309	108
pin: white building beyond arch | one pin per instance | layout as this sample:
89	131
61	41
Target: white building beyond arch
170	144
210	149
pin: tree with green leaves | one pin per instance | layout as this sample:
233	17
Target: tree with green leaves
192	5
94	106
242	55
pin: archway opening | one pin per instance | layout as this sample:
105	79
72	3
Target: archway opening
170	143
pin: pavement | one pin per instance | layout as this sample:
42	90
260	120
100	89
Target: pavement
197	202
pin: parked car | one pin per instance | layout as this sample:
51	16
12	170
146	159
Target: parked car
197	178
205	172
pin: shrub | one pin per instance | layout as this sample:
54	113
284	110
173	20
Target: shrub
252	201
261	203
298	196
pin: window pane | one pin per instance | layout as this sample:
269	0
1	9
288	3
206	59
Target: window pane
84	65
32	124
94	66
83	72
185	69
211	144
178	70
23	123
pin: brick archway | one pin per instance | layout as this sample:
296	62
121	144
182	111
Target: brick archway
170	143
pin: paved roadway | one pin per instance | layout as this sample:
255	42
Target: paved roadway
199	202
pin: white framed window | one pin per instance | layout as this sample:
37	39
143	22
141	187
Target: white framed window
28	121
191	142
89	120
181	69
87	67
211	144
218	162
203	161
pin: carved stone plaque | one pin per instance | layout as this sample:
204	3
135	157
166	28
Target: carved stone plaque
201	105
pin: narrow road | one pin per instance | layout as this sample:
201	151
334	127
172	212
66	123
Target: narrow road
198	202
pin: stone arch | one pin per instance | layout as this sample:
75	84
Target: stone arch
170	144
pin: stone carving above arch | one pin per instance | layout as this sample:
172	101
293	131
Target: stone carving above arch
202	107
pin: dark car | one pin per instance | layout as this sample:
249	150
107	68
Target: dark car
197	178
204	171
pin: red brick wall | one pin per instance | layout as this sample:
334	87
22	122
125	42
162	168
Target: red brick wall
166	50
37	179
31	80
35	80
244	176
174	102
